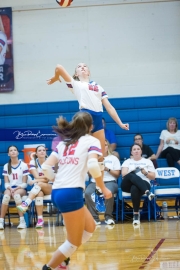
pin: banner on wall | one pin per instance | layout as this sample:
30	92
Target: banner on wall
6	51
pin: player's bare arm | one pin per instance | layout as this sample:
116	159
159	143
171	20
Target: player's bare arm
60	71
112	112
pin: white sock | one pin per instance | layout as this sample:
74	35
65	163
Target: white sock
40	217
1	219
22	219
28	201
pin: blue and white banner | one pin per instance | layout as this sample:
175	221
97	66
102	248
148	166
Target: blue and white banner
29	134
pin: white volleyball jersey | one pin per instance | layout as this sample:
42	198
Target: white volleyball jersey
3	45
89	95
142	163
112	163
73	162
15	178
32	166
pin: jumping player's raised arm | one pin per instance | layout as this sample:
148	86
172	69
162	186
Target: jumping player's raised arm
112	112
60	71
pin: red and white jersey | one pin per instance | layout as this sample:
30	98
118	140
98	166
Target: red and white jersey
32	166
73	161
89	95
3	45
15	178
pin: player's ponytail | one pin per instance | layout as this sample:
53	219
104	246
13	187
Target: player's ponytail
9	167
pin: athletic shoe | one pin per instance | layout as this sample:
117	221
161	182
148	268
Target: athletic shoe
99	203
23	207
98	222
136	219
64	265
22	225
45	267
110	221
1	225
151	196
40	224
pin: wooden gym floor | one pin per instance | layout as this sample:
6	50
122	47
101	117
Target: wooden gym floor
154	245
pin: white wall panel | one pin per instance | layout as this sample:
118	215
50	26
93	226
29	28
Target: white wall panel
132	49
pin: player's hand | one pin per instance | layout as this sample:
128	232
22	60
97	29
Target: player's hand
107	193
125	126
53	80
31	182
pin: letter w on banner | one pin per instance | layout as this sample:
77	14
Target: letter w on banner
6	51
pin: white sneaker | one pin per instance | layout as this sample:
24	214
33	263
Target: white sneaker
97	222
137	220
1	225
22	225
110	221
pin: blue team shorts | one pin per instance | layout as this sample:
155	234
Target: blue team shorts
68	199
17	186
97	119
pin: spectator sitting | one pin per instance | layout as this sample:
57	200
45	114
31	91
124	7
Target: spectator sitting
169	147
137	173
111	173
111	137
15	177
147	152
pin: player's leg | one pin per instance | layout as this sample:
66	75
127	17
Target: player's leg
74	237
18	194
33	193
39	209
4	207
101	137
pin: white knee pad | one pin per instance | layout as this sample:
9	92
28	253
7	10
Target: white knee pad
86	236
67	249
48	171
36	189
39	201
17	199
6	199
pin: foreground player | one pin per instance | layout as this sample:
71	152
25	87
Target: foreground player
90	96
75	156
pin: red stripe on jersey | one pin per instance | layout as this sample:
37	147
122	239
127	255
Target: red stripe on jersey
69	85
94	148
104	94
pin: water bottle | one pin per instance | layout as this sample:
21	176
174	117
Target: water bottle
48	208
164	210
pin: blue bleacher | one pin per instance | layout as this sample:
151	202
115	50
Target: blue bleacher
146	115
